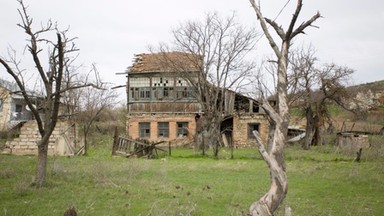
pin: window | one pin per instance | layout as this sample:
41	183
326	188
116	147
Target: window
183	92
182	129
19	108
134	94
144	129
168	92
163	129
145	93
255	108
252	127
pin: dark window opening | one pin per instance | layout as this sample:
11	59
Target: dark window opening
252	127
144	129
182	129
255	108
19	108
163	129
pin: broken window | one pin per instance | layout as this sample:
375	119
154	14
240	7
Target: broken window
168	92
182	129
252	127
144	129
163	129
183	92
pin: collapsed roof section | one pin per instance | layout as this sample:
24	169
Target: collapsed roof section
166	62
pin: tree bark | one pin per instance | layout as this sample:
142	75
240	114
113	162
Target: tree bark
268	204
308	129
279	117
42	156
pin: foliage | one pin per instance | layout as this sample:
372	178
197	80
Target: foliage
322	182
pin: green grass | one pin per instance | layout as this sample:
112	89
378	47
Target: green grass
321	182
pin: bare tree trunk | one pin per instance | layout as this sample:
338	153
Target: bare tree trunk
41	169
268	204
309	129
279	117
317	140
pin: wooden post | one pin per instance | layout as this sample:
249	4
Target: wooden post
169	149
115	140
358	155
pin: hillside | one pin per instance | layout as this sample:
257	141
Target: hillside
367	100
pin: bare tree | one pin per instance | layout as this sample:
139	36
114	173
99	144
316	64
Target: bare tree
92	102
60	56
279	116
218	48
313	88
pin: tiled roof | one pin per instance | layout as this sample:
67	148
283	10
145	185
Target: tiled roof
165	62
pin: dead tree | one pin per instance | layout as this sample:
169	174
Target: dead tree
51	77
316	87
279	116
218	47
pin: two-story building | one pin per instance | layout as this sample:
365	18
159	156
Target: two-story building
161	103
16	116
13	108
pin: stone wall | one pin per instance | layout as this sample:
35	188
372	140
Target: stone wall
352	141
241	126
62	140
5	110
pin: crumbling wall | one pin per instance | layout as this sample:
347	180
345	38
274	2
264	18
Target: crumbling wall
352	141
61	142
240	129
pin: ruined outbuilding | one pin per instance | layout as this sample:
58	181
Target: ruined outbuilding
17	121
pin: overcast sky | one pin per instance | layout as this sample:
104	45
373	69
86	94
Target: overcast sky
110	32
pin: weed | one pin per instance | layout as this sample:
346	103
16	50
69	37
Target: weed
322	181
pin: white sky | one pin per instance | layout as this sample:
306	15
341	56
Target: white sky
110	32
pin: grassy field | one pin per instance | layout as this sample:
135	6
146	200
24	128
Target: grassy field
321	182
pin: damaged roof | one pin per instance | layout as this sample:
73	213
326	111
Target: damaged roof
166	62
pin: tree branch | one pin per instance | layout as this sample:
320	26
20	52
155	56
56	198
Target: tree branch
265	28
304	25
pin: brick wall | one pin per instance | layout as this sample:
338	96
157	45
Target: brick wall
240	129
133	126
26	143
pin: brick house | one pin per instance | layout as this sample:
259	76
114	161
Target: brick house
161	106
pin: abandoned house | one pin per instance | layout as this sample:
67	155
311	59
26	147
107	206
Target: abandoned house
17	121
13	108
161	105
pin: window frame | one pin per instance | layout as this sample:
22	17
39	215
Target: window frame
144	130
251	128
183	130
163	129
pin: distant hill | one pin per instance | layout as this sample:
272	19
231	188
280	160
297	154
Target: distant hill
375	87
